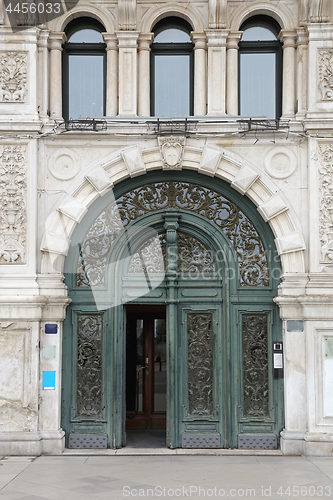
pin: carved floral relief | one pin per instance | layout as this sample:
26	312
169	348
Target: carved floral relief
13	76
325	60
326	203
13	218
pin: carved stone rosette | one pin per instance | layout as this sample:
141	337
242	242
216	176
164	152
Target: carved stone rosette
13	76
326	203
172	151
325	85
13	218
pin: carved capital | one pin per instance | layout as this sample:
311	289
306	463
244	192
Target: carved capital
111	41
127	39
56	40
233	39
43	39
199	40
145	40
288	37
217	37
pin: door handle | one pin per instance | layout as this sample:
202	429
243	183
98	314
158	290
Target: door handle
139	369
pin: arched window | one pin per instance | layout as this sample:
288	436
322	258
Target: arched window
260	68
84	69
172	69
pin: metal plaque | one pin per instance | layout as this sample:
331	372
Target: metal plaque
257	442
49	351
91	441
201	441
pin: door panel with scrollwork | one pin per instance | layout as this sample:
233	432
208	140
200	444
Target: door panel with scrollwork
220	316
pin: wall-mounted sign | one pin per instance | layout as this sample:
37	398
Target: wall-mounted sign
48	380
49	351
51	328
277	359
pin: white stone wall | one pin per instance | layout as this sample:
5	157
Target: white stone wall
48	182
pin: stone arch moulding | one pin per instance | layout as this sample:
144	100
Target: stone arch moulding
246	10
158	12
209	160
61	22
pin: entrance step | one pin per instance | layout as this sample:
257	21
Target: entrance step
127	451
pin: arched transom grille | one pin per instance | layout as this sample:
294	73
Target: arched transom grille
226	215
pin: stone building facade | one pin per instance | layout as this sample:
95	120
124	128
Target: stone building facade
85	201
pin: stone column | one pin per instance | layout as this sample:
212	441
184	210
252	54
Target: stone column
111	74
200	73
145	40
171	225
56	40
217	46
288	37
43	74
301	77
232	72
128	72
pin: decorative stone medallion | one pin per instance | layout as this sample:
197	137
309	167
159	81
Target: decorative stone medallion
280	162
64	164
172	151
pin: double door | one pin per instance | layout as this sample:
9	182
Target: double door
146	367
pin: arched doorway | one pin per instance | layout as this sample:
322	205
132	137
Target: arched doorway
199	253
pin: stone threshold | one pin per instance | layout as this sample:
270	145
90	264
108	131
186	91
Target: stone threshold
17	459
126	451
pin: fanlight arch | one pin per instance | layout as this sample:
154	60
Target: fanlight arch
231	220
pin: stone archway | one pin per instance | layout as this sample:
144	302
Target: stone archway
208	160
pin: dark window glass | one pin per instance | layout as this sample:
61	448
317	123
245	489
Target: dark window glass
172	95
258	33
257	84
172	69
260	69
84	59
85	86
172	35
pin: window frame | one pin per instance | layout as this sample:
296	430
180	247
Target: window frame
263	47
81	49
170	48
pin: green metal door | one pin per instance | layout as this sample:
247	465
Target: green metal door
201	250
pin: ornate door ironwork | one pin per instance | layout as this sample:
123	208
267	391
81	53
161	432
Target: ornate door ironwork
200	364
89	365
255	365
218	329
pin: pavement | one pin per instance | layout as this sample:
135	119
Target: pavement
79	477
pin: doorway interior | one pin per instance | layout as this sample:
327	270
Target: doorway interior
146	375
